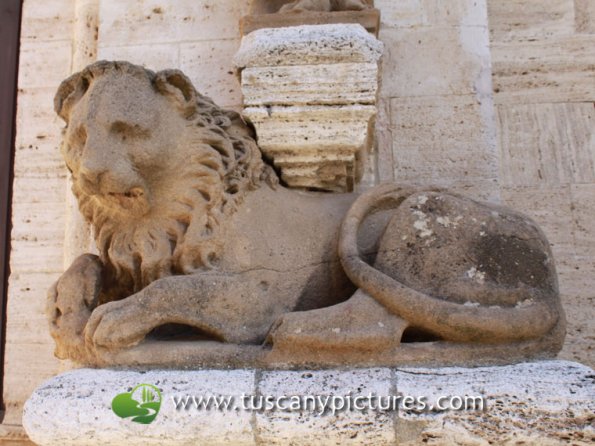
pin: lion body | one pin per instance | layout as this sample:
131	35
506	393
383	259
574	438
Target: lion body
194	230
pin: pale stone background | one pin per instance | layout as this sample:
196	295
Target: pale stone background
494	98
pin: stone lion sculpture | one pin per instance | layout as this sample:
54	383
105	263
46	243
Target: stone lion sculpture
205	259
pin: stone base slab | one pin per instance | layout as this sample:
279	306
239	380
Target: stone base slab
538	403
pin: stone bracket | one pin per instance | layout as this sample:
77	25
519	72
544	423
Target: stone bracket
311	91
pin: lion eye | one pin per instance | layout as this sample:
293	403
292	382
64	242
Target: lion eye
125	130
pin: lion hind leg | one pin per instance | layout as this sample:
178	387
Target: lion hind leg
358	324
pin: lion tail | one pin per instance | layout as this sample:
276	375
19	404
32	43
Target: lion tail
450	321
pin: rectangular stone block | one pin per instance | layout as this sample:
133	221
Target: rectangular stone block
41	157
436	122
442	140
550	207
316	146
25	367
584	11
344	427
495	399
401	14
554	70
29	291
83	398
36	57
384	142
31	190
576	285
37	256
413	13
308	45
155	57
521	21
36	120
345	83
311	128
37	222
547	143
47	20
434	61
209	65
583	212
29	327
154	21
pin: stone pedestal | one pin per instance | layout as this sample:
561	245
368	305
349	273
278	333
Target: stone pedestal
540	403
310	92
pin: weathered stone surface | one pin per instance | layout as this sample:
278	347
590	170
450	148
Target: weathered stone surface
38	203
435	61
583	209
36	56
344	427
443	140
584	11
193	230
541	403
47	22
219	81
308	45
418	13
146	23
82	398
543	62
552	210
313	103
156	56
315	146
547	144
527	72
334	84
521	21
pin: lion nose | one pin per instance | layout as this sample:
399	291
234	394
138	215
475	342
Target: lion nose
91	180
91	174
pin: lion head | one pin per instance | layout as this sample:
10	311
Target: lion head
156	168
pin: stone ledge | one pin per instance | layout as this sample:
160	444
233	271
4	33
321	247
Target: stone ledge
308	45
369	19
539	403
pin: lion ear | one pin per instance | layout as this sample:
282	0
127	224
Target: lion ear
69	93
175	84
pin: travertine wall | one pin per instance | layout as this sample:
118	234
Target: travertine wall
530	144
38	207
543	57
438	123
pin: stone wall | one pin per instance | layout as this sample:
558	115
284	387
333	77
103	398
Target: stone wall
543	58
529	144
38	209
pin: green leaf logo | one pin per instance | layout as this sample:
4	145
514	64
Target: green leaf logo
142	403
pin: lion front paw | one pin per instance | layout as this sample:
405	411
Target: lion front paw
69	304
120	324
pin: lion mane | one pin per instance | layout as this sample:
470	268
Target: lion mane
222	163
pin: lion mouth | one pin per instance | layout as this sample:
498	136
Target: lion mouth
132	193
132	200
